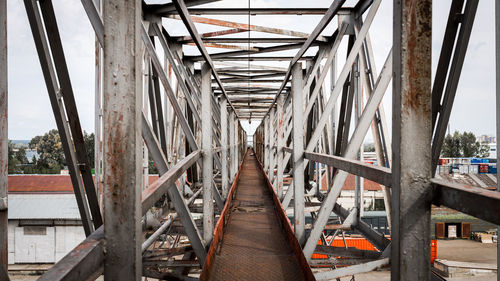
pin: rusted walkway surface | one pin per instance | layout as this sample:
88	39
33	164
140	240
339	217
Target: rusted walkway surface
254	246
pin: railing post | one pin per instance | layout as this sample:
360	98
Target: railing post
298	152
4	138
206	144
411	139
232	149
224	162
122	139
271	144
266	144
279	149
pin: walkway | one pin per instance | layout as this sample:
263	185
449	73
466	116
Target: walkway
254	245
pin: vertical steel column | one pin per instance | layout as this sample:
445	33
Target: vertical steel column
271	145
98	113
232	150
266	144
411	139
236	144
298	152
497	73
279	149
122	139
4	138
224	162
206	145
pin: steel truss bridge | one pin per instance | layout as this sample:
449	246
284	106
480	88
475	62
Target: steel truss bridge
186	112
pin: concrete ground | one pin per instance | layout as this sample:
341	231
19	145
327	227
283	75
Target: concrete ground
456	250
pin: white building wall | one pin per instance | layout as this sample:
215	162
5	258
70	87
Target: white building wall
11	239
67	238
25	246
346	198
34	244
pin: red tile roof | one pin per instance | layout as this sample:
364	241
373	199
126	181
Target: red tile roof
45	183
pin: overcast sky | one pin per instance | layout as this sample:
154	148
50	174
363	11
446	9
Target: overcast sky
30	112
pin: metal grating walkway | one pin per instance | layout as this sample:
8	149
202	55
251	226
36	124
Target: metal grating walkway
255	246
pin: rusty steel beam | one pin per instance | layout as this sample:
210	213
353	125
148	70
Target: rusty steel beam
252	11
246	58
332	11
245	40
250	27
186	18
475	201
411	140
122	104
260	50
231	47
213	34
170	8
4	138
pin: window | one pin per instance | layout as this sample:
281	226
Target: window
35	230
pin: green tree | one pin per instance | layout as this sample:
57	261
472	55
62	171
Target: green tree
451	146
14	165
50	151
89	141
463	145
369	147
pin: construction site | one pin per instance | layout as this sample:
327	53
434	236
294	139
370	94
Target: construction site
229	143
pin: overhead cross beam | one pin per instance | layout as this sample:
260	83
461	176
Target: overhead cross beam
248	27
186	18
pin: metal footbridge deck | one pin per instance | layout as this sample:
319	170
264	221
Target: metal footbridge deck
253	241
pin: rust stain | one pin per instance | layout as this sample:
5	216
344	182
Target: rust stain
417	56
257	234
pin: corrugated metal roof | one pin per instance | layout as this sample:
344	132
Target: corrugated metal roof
43	206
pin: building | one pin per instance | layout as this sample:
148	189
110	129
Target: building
43	221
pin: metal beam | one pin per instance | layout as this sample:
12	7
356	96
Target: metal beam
279	149
475	201
224	143
174	193
352	270
248	27
252	58
4	139
122	108
374	173
49	73
84	262
259	50
332	11
170	8
411	140
351	148
160	187
206	145
186	18
166	224
298	155
246	40
253	11
452	81
497	101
